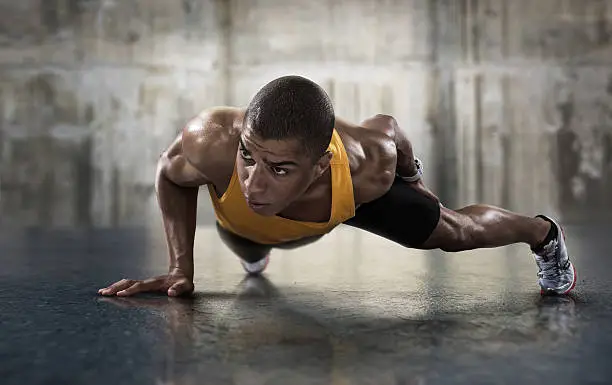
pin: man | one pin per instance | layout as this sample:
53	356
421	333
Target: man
285	171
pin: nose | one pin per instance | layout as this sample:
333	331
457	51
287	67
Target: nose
255	184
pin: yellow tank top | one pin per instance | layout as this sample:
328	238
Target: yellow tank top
236	216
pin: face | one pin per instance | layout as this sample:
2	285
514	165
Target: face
274	173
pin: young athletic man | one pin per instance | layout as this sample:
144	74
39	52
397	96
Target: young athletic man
285	171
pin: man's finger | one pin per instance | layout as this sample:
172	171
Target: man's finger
151	284
180	287
117	286
135	288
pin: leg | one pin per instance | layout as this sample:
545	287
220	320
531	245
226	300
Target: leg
255	256
402	215
484	226
409	218
245	249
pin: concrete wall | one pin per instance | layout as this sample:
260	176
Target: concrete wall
506	101
532	96
92	92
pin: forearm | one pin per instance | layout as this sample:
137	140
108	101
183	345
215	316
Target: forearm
178	205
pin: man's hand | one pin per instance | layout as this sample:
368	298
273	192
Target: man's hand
175	283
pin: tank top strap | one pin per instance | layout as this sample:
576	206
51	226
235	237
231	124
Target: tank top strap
343	200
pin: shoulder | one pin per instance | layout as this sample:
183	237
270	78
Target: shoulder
366	141
376	133
210	140
372	155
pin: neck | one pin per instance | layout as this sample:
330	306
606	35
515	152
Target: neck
317	186
314	192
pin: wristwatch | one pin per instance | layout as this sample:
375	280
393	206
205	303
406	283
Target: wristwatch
417	175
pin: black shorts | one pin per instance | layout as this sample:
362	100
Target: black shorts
402	215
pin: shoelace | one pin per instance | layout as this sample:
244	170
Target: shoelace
548	269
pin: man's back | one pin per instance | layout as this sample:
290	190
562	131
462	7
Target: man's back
207	148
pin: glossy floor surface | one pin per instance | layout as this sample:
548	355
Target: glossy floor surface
349	309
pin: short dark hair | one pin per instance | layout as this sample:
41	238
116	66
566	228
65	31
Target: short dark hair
293	107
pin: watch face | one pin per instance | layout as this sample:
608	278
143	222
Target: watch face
418	163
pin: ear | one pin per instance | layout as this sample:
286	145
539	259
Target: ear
323	163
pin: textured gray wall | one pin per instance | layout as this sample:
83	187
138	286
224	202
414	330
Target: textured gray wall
506	101
92	92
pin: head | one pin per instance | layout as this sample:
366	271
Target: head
287	129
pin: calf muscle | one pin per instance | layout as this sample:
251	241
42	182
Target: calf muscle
484	226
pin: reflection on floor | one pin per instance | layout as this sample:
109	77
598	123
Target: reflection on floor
349	309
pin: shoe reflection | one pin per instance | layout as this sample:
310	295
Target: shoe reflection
557	315
257	287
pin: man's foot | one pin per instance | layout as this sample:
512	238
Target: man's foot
556	273
256	268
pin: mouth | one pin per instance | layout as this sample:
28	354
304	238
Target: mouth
257	205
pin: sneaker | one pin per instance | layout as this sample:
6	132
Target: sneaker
556	273
256	268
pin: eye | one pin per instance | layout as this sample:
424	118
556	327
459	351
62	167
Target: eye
279	171
245	154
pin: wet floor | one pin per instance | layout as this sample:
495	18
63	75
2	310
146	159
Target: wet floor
350	309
